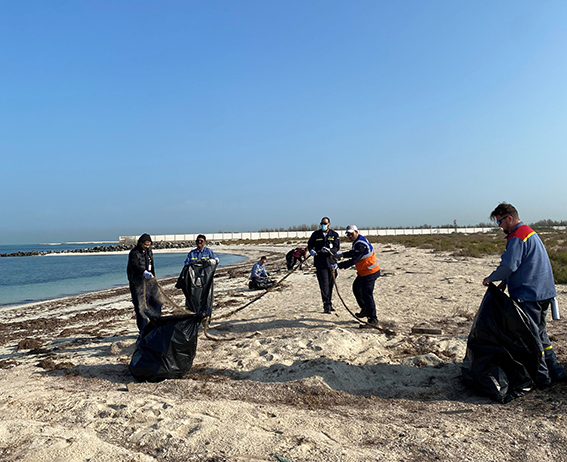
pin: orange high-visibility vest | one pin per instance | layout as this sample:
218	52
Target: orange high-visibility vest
367	265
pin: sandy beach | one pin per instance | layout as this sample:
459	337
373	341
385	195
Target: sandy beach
283	382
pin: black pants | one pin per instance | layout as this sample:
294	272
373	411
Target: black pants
152	304
549	368
325	279
363	289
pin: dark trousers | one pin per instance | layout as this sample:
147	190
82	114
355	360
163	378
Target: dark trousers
325	279
549	367
151	306
363	289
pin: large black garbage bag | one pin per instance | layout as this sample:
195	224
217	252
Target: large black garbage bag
503	355
166	348
196	282
261	283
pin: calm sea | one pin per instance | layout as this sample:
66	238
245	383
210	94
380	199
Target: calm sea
32	279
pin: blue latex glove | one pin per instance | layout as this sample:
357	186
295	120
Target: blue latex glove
335	266
326	250
148	275
312	252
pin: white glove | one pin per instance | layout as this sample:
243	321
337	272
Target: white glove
335	266
148	275
312	252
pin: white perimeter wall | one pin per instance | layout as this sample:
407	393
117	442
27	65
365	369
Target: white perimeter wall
301	234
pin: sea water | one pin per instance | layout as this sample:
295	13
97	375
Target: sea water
36	278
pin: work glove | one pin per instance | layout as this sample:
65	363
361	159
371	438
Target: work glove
335	266
312	252
148	275
339	255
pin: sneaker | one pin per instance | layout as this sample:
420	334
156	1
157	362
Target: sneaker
371	324
327	308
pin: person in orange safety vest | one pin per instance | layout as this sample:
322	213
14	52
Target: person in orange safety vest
363	257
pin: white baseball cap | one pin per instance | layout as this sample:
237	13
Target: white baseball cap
351	228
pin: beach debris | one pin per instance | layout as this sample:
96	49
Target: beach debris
30	344
49	365
426	330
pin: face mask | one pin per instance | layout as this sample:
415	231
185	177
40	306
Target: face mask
324	227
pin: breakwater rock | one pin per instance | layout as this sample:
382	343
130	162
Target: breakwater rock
105	248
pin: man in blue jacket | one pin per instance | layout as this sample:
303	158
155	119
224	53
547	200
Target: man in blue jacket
201	252
526	270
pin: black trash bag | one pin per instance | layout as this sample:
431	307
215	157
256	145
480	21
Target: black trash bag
503	354
166	348
196	282
261	283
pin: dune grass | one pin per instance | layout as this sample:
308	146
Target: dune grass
479	244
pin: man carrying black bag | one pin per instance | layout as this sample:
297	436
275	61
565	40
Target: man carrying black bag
196	282
526	270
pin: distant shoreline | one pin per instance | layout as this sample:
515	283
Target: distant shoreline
118	249
78	243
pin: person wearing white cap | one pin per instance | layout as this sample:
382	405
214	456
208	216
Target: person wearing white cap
363	257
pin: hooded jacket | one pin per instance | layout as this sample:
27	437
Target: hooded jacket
140	261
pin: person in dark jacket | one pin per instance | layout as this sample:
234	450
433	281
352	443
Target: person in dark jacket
296	255
141	276
526	270
323	246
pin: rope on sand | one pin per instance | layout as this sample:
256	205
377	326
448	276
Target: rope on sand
362	323
206	321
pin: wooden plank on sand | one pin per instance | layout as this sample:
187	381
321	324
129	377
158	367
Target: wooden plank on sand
426	330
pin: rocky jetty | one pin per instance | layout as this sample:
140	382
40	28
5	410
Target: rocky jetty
105	248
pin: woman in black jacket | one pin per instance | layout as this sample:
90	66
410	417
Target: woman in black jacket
141	276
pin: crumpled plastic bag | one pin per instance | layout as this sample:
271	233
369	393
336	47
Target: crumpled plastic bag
503	355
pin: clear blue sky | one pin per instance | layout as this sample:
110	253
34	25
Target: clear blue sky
123	117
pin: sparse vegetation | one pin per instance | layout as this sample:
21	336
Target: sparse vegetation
480	244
